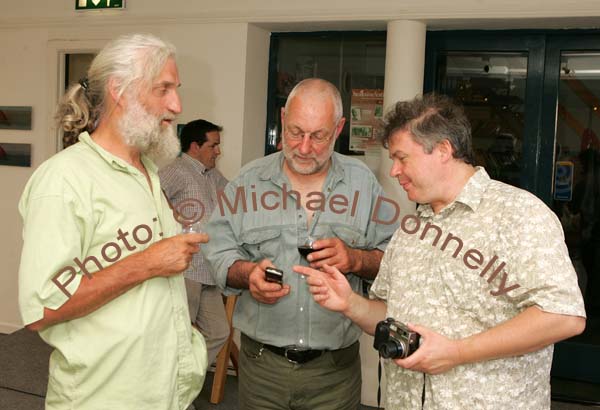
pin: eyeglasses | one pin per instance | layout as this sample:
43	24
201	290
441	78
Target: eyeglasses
318	137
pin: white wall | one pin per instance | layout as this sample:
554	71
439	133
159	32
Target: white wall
255	93
21	84
436	13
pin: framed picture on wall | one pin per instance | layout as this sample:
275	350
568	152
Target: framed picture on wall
15	118
16	155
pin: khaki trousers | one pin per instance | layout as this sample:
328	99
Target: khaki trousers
268	381
207	313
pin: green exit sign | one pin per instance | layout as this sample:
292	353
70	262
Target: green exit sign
99	4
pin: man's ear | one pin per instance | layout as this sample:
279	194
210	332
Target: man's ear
113	92
340	127
193	147
445	149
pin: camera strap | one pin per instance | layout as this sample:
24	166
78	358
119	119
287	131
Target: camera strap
423	393
379	385
379	381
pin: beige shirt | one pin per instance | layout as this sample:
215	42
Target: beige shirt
493	252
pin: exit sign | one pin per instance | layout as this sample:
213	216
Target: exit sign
99	4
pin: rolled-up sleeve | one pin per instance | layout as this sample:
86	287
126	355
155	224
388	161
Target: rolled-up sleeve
384	219
52	234
223	249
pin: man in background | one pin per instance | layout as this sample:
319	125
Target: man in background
194	176
100	276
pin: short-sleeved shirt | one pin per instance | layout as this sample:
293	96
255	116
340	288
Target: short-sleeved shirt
261	218
138	350
486	257
187	178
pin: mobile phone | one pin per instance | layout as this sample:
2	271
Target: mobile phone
274	275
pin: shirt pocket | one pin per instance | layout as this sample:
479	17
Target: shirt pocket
351	236
261	244
467	297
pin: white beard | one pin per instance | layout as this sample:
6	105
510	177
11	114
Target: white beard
143	130
319	162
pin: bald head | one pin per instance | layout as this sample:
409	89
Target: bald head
319	89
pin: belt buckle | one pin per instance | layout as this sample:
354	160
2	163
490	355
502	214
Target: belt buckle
285	354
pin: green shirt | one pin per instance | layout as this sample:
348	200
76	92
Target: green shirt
138	351
272	223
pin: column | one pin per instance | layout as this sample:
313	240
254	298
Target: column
404	69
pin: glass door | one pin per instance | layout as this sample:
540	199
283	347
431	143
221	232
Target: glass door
497	78
491	87
572	105
349	60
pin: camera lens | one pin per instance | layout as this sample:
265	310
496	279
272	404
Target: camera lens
391	350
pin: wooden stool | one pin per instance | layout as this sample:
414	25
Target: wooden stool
228	351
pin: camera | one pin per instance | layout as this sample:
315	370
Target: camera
274	275
394	340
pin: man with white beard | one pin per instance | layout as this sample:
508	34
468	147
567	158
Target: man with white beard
100	276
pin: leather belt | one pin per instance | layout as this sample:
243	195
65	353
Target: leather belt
294	355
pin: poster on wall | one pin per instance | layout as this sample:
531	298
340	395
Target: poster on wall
366	113
563	181
16	155
15	118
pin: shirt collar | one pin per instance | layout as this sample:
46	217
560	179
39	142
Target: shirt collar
274	171
470	196
113	160
199	166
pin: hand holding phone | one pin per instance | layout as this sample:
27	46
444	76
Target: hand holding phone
274	275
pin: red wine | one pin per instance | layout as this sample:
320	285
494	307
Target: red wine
305	250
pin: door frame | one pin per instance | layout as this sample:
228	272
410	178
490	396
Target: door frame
556	43
57	50
533	43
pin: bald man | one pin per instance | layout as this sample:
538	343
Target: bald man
295	354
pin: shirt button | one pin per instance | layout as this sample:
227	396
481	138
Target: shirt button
301	341
302	276
301	309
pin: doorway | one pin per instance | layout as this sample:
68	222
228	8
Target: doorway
68	61
76	68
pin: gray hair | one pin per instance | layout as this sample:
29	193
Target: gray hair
131	60
431	119
322	87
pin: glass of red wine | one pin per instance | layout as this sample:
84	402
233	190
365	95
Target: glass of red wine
305	246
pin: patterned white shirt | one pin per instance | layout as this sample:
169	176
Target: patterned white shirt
483	259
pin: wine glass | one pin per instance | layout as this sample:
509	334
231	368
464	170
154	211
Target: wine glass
305	246
191	227
189	214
